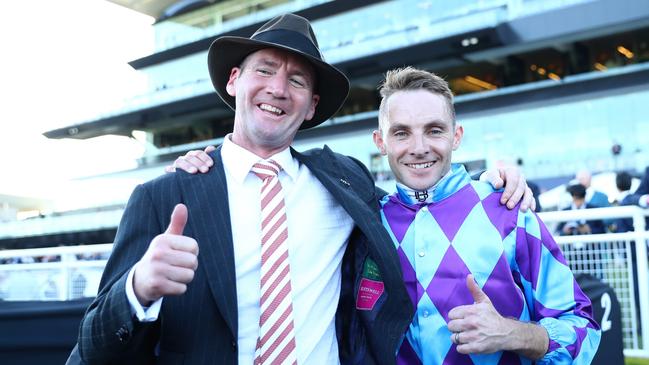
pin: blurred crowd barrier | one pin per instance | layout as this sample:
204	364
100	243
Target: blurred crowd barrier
618	261
52	273
73	272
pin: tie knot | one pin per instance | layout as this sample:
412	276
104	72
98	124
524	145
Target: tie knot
265	169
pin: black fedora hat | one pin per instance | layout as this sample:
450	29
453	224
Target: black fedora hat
289	32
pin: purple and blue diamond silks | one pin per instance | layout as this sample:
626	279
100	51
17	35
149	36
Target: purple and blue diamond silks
464	229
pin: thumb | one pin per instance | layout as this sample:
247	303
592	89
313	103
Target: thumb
178	220
478	295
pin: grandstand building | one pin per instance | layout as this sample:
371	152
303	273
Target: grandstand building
558	84
555	83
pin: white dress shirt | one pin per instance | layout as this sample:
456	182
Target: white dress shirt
644	201
318	229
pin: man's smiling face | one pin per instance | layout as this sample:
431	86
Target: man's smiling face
273	90
419	137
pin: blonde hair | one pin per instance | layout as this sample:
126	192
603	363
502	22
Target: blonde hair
410	78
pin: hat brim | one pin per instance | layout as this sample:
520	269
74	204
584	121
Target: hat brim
227	52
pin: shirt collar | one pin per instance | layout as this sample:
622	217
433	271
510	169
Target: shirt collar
622	195
238	160
455	179
575	207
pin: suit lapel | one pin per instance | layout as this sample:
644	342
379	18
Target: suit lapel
207	197
323	165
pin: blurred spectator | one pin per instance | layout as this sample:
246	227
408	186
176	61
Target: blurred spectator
533	186
91	256
594	198
578	194
641	195
27	260
18	260
623	183
536	191
49	258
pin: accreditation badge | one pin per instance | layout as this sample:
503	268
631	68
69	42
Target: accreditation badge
371	286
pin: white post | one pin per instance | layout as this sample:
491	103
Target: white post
68	259
643	280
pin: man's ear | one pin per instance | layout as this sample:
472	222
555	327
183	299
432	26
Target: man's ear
230	87
314	103
457	137
379	142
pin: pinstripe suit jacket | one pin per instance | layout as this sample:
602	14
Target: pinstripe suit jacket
200	327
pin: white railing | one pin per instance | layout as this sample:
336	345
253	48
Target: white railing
609	258
53	273
64	273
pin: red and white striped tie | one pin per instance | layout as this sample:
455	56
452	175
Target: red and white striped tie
276	342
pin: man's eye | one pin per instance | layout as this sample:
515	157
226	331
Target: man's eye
297	82
263	71
400	134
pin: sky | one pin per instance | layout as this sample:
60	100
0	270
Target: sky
63	60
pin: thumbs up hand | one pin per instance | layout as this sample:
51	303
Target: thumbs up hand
169	263
478	295
478	328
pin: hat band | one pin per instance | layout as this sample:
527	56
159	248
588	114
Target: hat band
291	39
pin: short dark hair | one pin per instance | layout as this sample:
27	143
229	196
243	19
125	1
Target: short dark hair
623	181
577	191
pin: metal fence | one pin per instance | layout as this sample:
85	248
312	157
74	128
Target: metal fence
53	273
70	272
619	260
